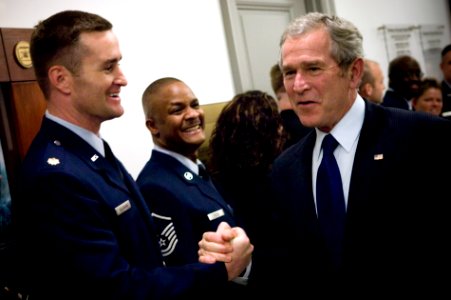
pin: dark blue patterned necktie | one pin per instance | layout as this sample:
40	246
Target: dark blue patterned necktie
330	200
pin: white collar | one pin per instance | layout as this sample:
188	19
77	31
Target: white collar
181	158
347	130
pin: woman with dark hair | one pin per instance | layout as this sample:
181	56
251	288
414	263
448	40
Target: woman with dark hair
247	138
429	98
248	135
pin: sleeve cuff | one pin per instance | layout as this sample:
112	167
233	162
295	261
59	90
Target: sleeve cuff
244	277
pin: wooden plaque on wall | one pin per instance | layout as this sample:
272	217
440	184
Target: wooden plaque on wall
22	104
10	38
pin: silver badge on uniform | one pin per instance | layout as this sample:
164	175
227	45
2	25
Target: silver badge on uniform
188	175
53	161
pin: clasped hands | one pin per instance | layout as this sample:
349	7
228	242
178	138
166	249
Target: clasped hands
229	245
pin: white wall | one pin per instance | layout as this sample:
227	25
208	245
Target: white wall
368	15
186	39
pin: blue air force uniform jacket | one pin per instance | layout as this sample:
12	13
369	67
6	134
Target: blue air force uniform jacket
184	206
86	233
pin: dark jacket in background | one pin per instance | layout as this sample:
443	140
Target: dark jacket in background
293	126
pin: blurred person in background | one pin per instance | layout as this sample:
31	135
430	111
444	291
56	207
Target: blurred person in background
372	86
404	75
246	139
445	67
429	98
293	126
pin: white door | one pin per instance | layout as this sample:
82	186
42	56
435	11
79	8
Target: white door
253	30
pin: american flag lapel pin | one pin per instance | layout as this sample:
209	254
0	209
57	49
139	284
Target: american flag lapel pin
379	156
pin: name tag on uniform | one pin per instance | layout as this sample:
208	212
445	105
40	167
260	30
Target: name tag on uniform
121	208
216	214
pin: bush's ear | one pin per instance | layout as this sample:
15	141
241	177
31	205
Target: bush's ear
356	73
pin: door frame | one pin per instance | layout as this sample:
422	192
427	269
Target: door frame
236	40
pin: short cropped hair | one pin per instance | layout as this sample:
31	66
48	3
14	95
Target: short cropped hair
56	41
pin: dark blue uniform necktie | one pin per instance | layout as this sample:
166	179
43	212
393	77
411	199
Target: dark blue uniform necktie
203	172
112	159
330	200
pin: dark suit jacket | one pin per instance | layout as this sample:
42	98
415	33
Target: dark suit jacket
87	234
392	99
398	217
446	96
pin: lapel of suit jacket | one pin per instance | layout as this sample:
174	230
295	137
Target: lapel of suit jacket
370	156
305	177
297	173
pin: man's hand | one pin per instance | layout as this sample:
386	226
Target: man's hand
217	246
229	245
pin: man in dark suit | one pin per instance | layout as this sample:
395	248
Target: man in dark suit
174	182
445	67
404	76
84	229
372	86
396	221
